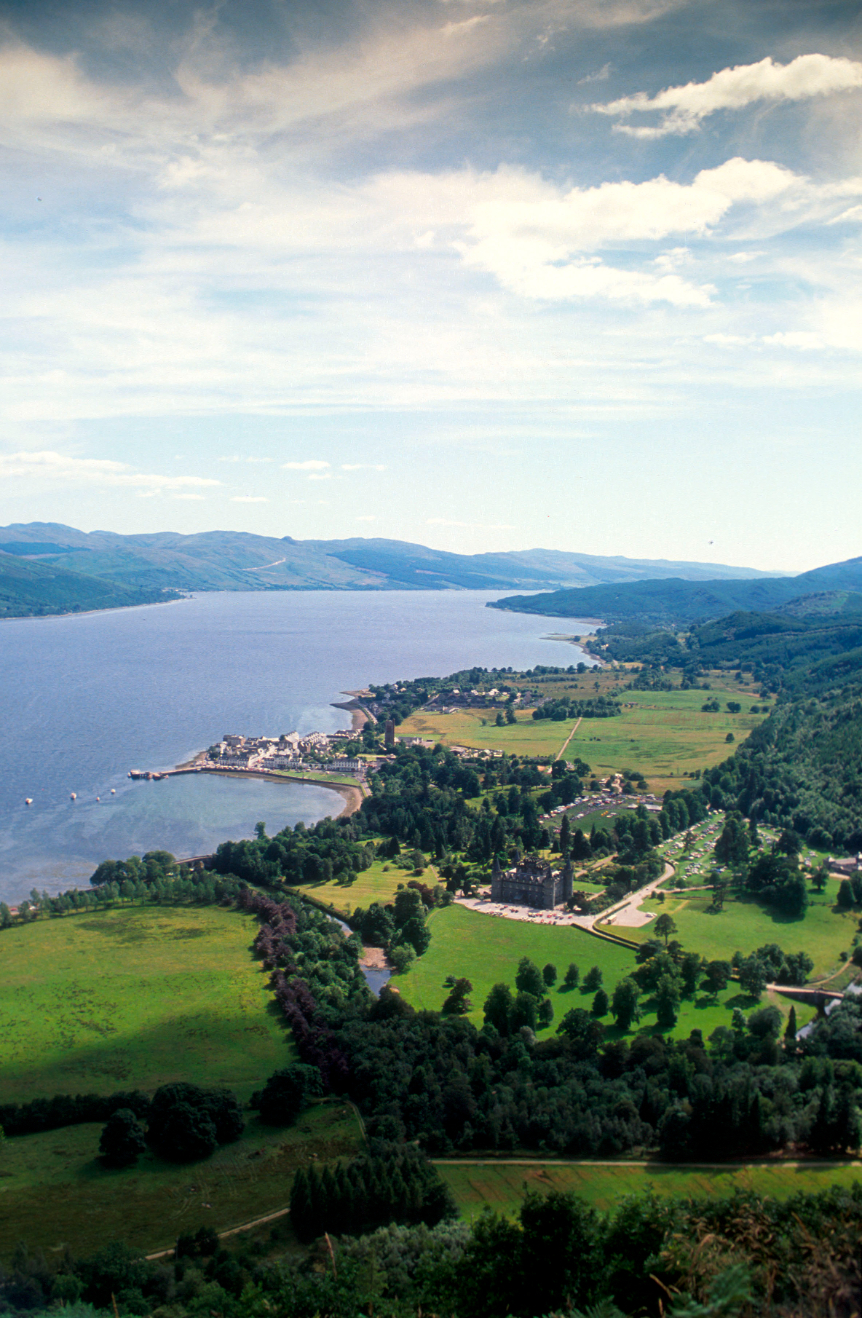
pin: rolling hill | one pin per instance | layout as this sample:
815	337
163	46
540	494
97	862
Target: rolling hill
240	561
679	601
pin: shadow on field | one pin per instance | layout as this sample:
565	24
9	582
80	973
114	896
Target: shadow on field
201	1047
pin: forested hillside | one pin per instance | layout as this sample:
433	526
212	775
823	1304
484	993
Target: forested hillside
802	768
684	602
28	588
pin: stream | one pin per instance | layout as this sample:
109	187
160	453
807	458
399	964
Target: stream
375	976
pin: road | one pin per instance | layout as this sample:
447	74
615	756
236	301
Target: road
263	567
568	739
613	915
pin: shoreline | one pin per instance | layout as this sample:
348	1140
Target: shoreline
352	796
89	613
359	715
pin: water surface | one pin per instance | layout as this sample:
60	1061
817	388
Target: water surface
88	697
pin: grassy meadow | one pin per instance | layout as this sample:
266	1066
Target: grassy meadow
376	884
745	924
133	998
54	1191
502	1186
486	950
475	728
665	734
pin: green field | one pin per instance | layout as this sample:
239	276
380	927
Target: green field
325	779
486	950
54	1192
745	924
133	998
475	728
502	1186
663	733
376	884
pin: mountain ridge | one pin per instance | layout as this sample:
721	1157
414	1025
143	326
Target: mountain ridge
240	560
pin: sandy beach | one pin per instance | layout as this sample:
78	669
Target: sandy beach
353	796
374	958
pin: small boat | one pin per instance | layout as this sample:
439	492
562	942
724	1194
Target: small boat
113	791
28	800
98	798
73	796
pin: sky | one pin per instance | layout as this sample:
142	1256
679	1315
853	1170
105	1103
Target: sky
478	274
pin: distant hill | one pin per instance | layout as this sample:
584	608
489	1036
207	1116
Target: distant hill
679	601
415	566
28	588
233	560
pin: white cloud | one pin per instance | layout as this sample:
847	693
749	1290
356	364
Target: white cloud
601	75
312	464
235	267
847	217
535	238
249	498
684	108
454	29
320	476
340	92
672	259
363	466
803	339
368	518
187	496
52	466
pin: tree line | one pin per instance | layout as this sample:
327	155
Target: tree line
438	1080
390	1183
741	1256
564	708
183	1121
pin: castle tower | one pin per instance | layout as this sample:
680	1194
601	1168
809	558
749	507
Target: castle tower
389	735
496	882
568	881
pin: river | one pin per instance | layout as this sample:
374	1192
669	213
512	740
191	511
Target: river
88	697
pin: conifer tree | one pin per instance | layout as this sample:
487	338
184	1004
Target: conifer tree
565	837
316	1203
573	976
300	1204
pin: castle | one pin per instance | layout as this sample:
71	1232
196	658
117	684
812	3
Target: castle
532	882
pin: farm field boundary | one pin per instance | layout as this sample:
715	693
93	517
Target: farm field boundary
501	1184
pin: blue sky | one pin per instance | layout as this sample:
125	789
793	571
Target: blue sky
481	274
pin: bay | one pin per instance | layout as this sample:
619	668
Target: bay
88	697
